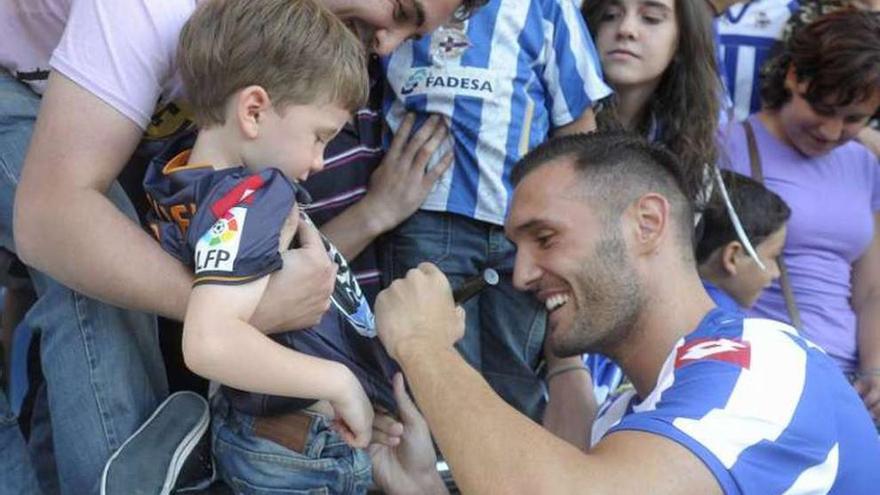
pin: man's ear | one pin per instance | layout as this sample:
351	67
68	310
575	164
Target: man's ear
651	213
730	255
251	105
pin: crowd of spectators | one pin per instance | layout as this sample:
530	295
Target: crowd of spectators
681	199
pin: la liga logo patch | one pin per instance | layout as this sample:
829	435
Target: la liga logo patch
224	230
217	249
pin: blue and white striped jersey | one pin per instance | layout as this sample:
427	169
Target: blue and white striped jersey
748	32
764	409
502	80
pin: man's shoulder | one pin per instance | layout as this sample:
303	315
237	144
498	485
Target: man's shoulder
760	405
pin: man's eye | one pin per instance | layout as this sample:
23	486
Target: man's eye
544	240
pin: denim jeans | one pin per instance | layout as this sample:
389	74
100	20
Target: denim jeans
253	465
103	368
17	475
504	327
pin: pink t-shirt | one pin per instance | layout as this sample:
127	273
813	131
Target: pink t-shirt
833	199
122	51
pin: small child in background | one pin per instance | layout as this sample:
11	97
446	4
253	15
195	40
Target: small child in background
732	278
294	411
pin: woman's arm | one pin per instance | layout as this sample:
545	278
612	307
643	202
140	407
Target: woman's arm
866	304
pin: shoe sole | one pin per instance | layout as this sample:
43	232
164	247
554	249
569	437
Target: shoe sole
184	448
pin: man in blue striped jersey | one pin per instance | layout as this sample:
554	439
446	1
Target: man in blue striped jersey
721	403
504	79
748	31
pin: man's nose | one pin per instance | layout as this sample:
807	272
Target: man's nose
525	272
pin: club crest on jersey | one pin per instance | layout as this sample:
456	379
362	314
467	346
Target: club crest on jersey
217	249
448	42
733	351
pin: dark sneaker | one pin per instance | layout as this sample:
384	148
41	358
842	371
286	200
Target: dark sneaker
172	441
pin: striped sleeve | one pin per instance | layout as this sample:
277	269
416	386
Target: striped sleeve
757	428
572	74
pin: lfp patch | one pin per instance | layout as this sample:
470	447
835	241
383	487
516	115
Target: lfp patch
217	249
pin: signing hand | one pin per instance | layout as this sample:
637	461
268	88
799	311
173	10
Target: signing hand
419	307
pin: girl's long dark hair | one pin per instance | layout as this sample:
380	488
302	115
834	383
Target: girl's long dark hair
686	104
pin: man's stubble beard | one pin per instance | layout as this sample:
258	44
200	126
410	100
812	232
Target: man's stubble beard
610	298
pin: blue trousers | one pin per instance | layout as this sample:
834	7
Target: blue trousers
256	465
505	328
103	368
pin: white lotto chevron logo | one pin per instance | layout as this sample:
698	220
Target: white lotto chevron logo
712	347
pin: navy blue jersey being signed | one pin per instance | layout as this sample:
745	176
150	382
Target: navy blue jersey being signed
226	225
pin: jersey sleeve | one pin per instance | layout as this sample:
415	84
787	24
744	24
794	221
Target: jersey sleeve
572	75
122	51
235	233
747	406
693	385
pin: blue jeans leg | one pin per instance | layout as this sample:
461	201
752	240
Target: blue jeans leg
504	329
457	249
17	113
512	352
17	475
103	368
254	465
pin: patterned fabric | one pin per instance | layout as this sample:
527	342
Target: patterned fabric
503	79
748	33
226	225
764	409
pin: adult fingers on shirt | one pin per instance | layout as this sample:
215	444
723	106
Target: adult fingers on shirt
303	290
288	230
401	137
424	142
429	146
435	173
